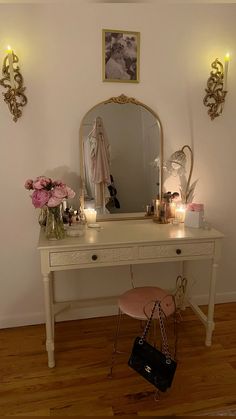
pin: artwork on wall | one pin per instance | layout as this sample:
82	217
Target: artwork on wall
120	56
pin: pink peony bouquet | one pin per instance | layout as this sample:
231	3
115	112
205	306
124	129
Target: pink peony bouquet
48	192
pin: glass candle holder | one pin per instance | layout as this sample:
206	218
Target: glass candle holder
90	215
180	213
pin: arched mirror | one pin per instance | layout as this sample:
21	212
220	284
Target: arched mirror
121	156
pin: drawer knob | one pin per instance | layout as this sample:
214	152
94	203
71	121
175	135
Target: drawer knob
94	257
178	251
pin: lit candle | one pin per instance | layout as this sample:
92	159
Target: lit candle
11	69
90	215
180	214
227	58
64	203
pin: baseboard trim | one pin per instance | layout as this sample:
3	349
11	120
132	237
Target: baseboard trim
226	297
21	320
93	308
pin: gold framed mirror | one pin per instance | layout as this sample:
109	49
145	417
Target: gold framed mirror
121	158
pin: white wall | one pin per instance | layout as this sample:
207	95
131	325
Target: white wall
60	57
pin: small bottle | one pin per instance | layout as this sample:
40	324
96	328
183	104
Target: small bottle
157	208
148	210
172	209
82	217
156	217
74	216
163	218
70	219
65	216
153	207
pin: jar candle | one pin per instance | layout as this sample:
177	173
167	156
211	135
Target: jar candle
180	214
90	215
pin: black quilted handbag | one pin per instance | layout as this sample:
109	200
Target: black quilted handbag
155	366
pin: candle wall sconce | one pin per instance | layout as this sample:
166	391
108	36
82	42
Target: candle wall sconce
216	88
12	80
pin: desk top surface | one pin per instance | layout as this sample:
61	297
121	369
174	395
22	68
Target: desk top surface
130	232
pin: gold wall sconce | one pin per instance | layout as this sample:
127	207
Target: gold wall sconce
216	88
12	81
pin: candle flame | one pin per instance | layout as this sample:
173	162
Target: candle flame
227	56
9	49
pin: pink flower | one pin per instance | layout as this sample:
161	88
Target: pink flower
29	184
40	198
70	192
57	196
48	192
54	201
58	183
60	192
41	182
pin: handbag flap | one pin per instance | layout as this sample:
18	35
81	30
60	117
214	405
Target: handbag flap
152	364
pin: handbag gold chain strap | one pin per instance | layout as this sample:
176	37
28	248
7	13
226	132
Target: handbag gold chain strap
162	329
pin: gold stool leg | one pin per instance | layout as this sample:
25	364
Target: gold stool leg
115	343
155	326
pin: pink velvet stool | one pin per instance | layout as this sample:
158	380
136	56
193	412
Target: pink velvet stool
138	304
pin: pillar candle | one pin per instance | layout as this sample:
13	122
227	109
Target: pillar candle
64	203
226	70
11	69
90	215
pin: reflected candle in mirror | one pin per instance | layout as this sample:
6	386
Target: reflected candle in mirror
90	215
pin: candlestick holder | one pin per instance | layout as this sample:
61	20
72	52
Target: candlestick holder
215	92
12	81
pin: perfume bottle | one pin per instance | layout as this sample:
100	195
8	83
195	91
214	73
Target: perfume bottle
163	212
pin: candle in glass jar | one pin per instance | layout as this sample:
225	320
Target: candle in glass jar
180	214
90	215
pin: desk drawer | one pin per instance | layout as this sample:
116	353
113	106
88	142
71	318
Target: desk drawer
88	257
176	251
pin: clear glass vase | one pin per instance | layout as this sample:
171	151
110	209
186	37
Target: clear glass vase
54	224
43	217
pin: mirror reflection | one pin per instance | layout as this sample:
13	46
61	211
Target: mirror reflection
121	157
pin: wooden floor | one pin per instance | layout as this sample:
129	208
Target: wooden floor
79	384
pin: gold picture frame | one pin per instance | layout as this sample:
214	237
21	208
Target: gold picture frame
120	56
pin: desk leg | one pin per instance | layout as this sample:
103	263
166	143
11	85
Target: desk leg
211	305
47	279
52	303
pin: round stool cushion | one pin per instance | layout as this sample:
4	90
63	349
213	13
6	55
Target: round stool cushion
138	302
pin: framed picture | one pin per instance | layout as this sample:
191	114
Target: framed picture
120	56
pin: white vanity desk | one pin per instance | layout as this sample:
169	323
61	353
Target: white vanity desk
124	243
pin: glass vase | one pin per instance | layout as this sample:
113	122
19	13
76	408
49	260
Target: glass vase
43	217
54	224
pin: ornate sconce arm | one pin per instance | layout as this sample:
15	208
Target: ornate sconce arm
12	81
216	88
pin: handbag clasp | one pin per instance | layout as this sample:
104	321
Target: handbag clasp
148	369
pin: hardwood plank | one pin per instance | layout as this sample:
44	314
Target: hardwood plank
79	385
